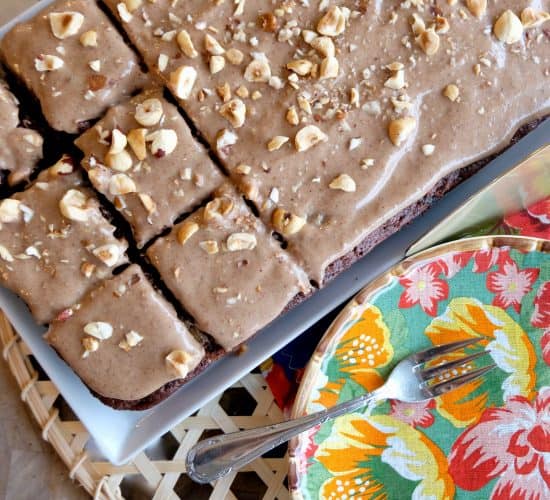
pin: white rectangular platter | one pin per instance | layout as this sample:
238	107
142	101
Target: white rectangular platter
120	435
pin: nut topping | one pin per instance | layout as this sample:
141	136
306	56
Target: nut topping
235	112
90	345
212	46
216	64
47	62
218	207
343	183
333	23
186	44
531	17
508	28
131	339
182	81
277	141
149	112
257	71
301	67
178	362
63	167
118	142
10	210
329	68
121	162
108	254
477	7
136	141
234	56
148	203
308	137
428	41
241	241
324	45
400	129
187	229
451	92
99	330
163	142
74	206
121	184
286	223
65	24
89	39
209	246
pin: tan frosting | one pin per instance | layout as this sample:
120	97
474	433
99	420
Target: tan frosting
500	87
48	259
172	183
127	303
81	92
20	148
229	274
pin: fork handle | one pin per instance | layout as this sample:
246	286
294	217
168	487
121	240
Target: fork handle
215	457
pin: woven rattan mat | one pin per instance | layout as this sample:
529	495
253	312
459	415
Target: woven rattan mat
159	472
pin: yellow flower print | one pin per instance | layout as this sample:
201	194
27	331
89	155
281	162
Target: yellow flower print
502	337
357	438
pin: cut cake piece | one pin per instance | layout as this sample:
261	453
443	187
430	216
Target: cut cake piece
226	270
143	158
125	341
55	244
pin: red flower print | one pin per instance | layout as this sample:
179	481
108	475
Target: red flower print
454	262
545	346
510	284
541	314
534	221
486	259
423	286
415	414
511	444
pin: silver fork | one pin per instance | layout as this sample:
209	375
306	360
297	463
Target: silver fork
409	381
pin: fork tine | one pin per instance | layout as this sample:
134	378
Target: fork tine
449	385
441	369
438	350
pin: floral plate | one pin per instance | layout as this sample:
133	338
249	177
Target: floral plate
489	439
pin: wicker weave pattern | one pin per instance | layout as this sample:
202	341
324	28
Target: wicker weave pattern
102	480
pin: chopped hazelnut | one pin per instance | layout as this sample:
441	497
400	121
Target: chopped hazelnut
301	67
65	24
333	23
186	44
292	116
234	56
428	41
108	254
47	62
120	162
257	71
216	64
218	207
324	45
121	184
508	28
451	92
400	129
234	112
241	241
136	141
182	81
329	68
477	7
10	210
148	203
74	206
209	246
90	345
89	39
212	46
186	230
99	330
308	137
531	18
163	142
267	22
287	223
118	142
178	362
276	142
343	182
149	112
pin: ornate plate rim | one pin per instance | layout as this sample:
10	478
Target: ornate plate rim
313	367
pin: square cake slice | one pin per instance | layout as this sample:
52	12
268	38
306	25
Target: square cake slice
227	271
54	242
75	62
126	343
143	158
20	147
